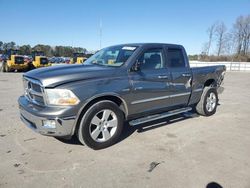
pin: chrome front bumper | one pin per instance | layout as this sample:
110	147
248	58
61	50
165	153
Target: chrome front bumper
64	126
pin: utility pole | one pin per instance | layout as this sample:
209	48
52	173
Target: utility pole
100	33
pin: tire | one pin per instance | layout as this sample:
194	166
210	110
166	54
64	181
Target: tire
3	67
6	68
31	67
101	125
26	70
208	103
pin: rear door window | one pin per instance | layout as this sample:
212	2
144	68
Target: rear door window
175	58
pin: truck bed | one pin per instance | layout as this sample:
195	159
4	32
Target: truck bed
202	74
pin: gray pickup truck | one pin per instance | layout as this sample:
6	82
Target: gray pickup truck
136	83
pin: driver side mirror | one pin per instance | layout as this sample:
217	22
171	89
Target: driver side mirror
136	66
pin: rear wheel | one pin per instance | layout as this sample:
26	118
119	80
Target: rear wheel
6	68
3	67
208	103
101	125
31	67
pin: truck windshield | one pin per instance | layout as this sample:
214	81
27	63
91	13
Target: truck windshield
111	56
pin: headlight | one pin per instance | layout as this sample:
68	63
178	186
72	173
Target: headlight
61	97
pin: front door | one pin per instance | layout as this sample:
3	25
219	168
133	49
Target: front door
150	83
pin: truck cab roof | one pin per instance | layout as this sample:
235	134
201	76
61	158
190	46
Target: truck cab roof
150	44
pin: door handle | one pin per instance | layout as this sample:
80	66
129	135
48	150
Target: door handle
186	74
162	77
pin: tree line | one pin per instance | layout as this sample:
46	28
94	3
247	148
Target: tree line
65	51
225	44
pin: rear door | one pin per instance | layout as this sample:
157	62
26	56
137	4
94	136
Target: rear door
150	84
177	64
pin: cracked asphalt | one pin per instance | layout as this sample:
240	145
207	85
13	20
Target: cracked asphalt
182	151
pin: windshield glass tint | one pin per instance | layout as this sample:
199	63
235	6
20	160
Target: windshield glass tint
44	60
111	56
19	59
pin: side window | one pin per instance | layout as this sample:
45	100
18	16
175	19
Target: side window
151	59
175	58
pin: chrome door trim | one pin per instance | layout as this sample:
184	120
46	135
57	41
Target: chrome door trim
198	90
160	98
180	94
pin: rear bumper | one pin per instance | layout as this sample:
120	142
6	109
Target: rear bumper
64	125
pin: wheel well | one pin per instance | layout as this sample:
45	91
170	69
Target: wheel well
210	82
114	99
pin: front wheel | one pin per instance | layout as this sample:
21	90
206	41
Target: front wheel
208	103
101	125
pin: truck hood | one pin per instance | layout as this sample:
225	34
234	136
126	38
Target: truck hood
61	74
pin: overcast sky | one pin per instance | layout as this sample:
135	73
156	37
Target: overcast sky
77	23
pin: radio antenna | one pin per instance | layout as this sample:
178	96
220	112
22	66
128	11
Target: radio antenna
100	33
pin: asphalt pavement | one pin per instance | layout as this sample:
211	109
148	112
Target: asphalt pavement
182	151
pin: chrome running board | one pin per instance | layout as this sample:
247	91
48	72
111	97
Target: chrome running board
159	116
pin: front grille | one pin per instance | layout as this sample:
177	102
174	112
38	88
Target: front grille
19	60
36	87
33	91
39	99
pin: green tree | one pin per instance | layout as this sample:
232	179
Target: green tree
25	49
9	45
1	47
48	51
